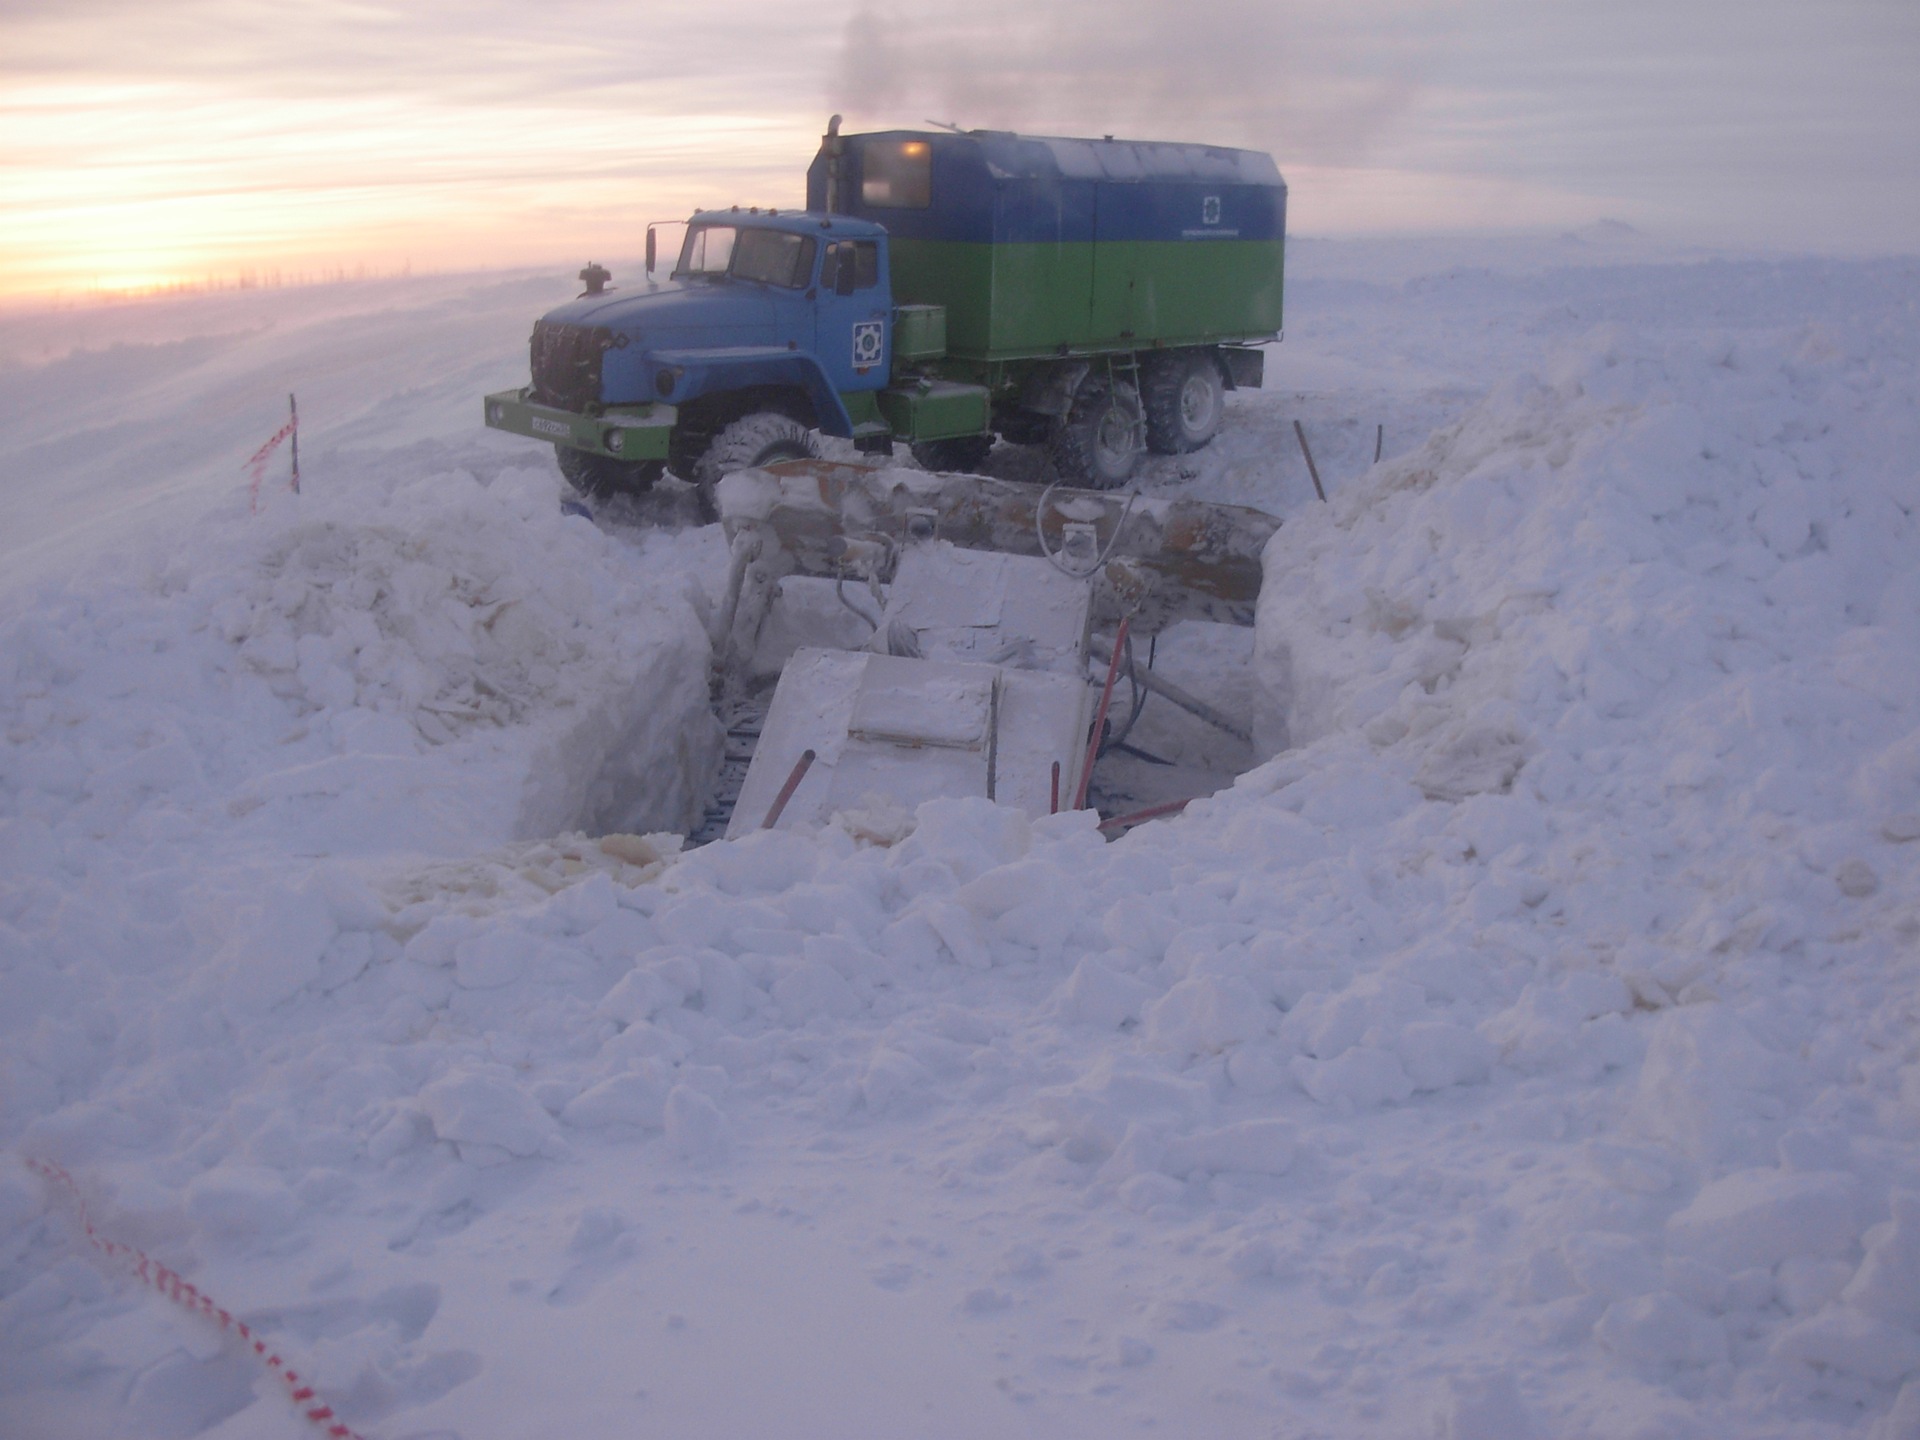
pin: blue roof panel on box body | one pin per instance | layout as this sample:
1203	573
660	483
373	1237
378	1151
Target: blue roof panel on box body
997	187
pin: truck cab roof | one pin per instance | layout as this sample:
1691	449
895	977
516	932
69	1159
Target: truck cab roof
795	221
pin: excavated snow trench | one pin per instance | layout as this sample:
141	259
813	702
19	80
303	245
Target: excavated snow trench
1167	754
1156	752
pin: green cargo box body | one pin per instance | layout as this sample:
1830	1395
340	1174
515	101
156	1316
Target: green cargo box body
1035	244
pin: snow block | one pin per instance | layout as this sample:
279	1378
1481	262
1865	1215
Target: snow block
1255	1147
1841	1338
637	1098
1206	1015
1099	996
242	1202
1757	1218
1887	1285
277	953
1661	1331
1360	1078
1483	1407
696	1128
1437	1054
482	1111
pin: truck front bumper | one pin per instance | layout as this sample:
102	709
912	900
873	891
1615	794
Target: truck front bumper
637	432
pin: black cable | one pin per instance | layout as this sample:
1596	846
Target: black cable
1111	740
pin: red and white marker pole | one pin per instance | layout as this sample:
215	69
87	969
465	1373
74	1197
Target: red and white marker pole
257	462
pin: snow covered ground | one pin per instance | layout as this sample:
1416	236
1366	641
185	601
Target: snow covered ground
1529	1048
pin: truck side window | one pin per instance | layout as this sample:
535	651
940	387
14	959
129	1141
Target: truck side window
866	262
773	257
707	251
896	174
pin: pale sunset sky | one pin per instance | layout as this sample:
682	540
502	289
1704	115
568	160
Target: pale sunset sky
152	142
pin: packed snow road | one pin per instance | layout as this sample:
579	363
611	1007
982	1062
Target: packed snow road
1525	1045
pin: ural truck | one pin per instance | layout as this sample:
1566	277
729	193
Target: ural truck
1098	297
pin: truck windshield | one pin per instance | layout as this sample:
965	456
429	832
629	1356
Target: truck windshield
774	257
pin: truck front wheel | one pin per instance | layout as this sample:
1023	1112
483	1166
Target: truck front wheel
1098	444
600	477
757	439
1186	400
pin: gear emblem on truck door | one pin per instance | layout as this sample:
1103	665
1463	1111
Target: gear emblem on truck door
869	337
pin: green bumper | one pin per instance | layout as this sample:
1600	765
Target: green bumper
636	432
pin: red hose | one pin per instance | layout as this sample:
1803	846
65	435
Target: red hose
1100	717
786	790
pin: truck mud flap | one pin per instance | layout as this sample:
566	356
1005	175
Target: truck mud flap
1245	368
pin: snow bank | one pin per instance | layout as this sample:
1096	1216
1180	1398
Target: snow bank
1527	1050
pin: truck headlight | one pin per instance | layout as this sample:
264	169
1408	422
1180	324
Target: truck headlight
615	439
495	412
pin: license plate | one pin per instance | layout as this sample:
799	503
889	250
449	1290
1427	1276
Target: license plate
539	424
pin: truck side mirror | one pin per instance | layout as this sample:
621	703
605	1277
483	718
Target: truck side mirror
653	249
847	271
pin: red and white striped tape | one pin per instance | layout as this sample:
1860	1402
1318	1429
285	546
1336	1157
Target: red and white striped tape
189	1297
257	462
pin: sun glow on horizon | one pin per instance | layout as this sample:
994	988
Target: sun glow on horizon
210	143
161	186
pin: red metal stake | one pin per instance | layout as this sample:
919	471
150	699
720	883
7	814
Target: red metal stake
1100	718
786	790
1152	812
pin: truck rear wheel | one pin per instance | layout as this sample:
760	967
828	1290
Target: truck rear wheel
963	454
601	477
757	439
1185	401
1098	444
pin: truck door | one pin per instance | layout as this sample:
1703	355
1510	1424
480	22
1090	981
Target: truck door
853	332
